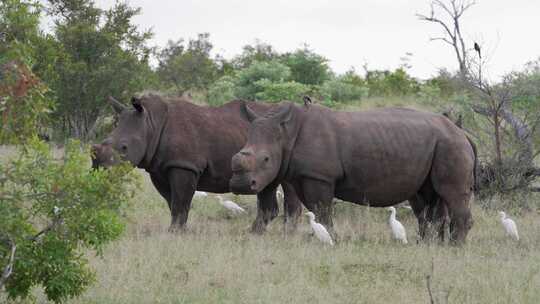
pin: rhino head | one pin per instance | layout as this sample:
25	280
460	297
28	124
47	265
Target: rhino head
259	162
134	139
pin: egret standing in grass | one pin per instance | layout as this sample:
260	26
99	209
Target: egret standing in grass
398	231
509	226
319	230
279	194
230	205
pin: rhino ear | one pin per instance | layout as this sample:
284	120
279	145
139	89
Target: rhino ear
136	102
117	106
285	113
250	114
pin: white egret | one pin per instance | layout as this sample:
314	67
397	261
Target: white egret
509	226
320	232
230	205
280	195
398	231
200	194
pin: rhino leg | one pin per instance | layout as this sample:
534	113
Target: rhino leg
162	186
454	210
183	184
292	207
460	218
318	198
420	209
267	210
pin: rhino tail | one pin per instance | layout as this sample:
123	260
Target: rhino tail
475	167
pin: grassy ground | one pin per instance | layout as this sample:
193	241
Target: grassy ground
218	261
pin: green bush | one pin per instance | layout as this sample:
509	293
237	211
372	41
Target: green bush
52	210
341	90
307	67
222	91
429	93
278	91
246	78
391	83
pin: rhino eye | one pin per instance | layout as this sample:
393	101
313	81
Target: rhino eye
124	148
266	159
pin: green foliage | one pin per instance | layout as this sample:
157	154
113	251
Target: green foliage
52	209
259	52
278	91
307	67
94	53
344	88
387	83
221	91
429	93
188	67
246	79
525	87
24	107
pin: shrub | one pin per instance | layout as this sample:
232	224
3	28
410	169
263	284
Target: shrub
246	78
429	93
341	90
388	83
50	211
278	91
307	67
222	91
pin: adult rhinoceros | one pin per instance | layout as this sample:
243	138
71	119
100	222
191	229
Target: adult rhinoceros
185	147
381	157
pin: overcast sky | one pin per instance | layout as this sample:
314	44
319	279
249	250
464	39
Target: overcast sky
349	33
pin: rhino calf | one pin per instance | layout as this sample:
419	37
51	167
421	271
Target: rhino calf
382	156
185	147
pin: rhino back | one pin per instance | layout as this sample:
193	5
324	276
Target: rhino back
386	154
203	139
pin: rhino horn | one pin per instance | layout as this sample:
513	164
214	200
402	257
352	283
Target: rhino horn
117	106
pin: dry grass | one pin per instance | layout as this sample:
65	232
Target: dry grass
218	261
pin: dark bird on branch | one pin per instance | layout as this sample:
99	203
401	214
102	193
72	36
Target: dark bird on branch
477	48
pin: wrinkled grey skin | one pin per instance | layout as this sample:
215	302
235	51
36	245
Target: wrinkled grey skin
185	147
379	157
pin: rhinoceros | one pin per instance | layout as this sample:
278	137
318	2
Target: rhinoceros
185	147
378	157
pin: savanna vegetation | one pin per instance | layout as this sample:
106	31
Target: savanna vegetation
58	219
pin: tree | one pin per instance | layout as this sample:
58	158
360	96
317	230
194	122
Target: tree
258	52
307	67
450	22
513	167
24	107
188	67
97	53
51	210
246	79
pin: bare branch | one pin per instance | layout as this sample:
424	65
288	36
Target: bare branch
444	39
55	223
8	270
